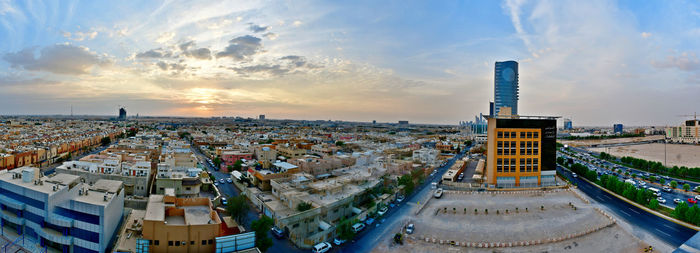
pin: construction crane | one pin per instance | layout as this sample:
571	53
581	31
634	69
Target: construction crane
695	116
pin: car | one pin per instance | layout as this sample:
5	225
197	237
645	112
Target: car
277	232
433	185
357	227
382	210
666	189
677	201
338	241
222	181
574	175
321	247
697	197
369	221
400	198
438	193
216	183
409	229
224	201
228	180
661	200
692	200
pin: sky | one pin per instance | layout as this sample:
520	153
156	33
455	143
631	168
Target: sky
595	62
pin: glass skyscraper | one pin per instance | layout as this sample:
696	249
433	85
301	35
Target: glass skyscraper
506	87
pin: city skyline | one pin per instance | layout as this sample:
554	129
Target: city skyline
421	62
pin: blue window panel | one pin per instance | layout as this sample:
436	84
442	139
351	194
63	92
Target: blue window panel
33	217
85	235
78	249
23	199
63	230
84	217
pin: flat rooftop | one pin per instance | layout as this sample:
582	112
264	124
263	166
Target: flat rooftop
194	213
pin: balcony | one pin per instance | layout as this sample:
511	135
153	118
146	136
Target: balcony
59	220
12	217
55	236
11	202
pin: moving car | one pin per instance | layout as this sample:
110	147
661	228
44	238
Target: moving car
321	247
222	181
692	200
358	227
661	200
677	201
438	193
224	201
697	197
574	175
433	185
228	180
277	232
667	189
216	183
400	198
338	241
409	229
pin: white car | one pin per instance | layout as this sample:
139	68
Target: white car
677	201
661	200
409	228
228	180
322	247
697	197
400	198
574	175
338	241
382	210
358	227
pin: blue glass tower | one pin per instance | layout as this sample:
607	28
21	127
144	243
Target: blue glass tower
506	86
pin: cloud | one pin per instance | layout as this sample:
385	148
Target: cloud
513	7
646	35
171	66
241	47
297	23
685	61
272	70
199	53
298	61
155	53
257	29
165	37
59	59
271	36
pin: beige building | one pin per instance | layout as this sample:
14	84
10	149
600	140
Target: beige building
180	224
290	152
689	132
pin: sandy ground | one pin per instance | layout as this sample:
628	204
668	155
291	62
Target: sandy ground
676	154
556	219
610	141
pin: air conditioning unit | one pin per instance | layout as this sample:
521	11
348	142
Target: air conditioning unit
105	198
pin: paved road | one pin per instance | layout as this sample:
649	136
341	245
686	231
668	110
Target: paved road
368	239
668	196
229	190
670	232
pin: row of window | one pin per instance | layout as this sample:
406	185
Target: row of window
510	165
509	148
180	243
513	135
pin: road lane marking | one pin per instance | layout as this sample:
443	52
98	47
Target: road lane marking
607	197
626	213
633	210
671	228
663	232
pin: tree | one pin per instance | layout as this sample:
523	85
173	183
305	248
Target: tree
238	165
674	184
686	187
217	162
654	204
105	141
339	143
344	229
261	227
303	206
407	180
238	208
662	181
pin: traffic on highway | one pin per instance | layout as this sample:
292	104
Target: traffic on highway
666	195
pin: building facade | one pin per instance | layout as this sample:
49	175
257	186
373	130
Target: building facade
506	87
567	124
60	212
521	151
689	132
617	128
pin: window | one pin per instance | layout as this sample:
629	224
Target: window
512	165
535	135
177	243
529	165
188	188
162	189
529	135
295	225
211	241
204	242
535	162
191	242
512	135
500	134
506	144
522	164
184	243
150	242
500	144
170	243
522	135
499	165
156	242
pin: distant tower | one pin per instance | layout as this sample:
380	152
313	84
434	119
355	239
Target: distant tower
71	111
261	117
567	124
122	113
506	86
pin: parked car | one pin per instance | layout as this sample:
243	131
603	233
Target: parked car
692	200
216	183
228	180
697	197
338	241
438	193
400	198
322	247
661	200
382	210
224	201
358	227
277	232
677	201
433	185
666	189
409	229
222	181
369	221
574	175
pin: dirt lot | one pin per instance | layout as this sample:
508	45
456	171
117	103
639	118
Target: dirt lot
610	141
558	218
676	154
